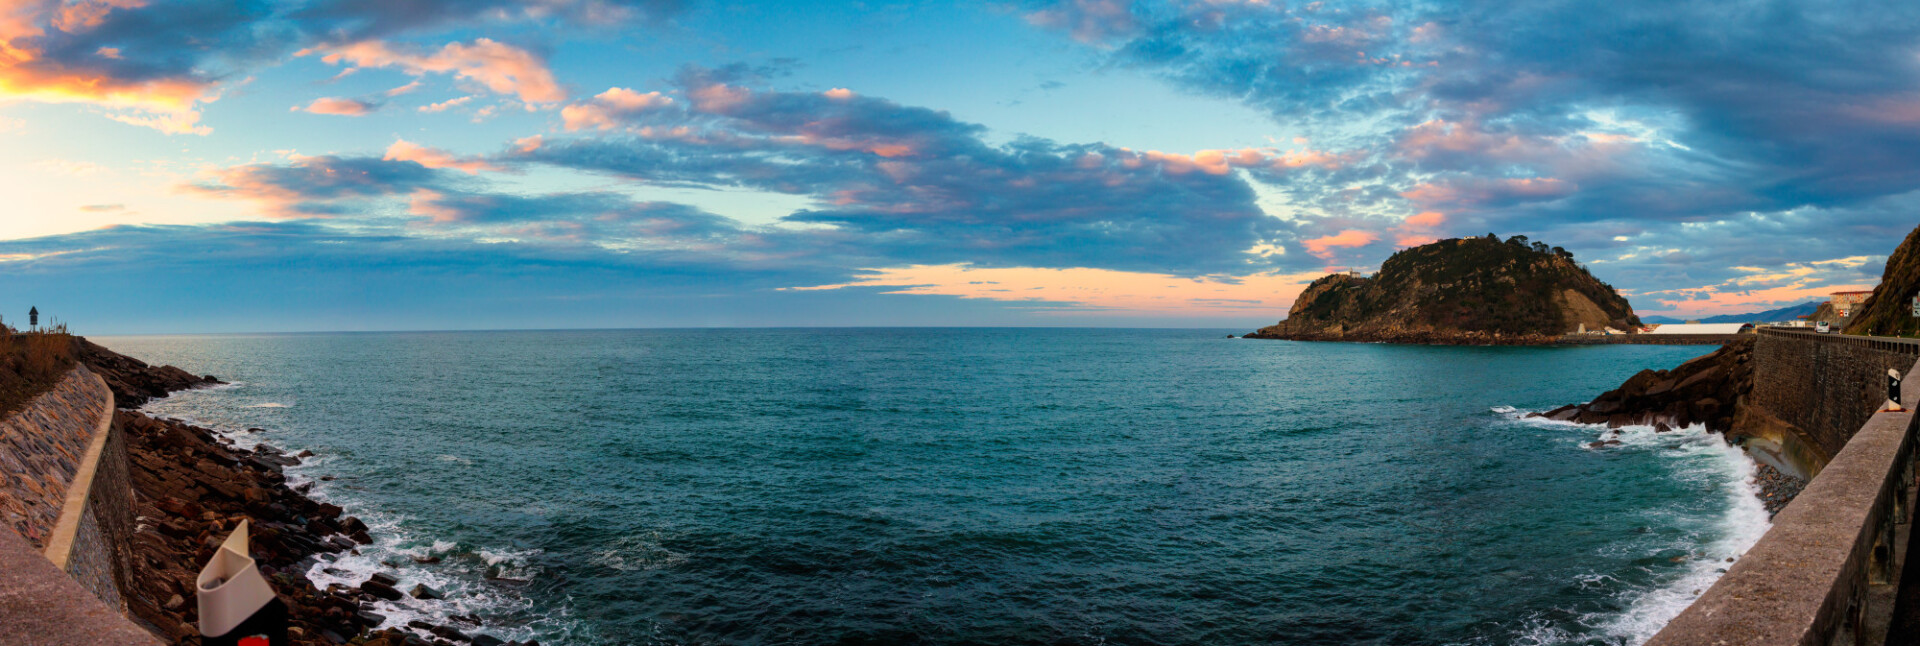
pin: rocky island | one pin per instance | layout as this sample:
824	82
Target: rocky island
1467	291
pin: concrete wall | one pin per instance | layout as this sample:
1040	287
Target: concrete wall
1824	386
65	488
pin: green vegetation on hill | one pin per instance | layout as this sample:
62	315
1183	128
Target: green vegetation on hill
1889	311
1477	286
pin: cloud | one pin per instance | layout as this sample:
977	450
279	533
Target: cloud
351	20
151	64
608	109
1081	291
1323	246
340	106
445	105
501	68
1089	21
403	150
320	187
914	183
1731	134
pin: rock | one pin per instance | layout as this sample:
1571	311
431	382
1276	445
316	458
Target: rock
448	632
361	537
487	640
371	618
426	560
422	591
304	454
381	590
384	578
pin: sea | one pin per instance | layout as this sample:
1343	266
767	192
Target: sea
986	486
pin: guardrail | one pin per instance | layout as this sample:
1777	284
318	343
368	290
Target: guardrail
1828	571
1889	344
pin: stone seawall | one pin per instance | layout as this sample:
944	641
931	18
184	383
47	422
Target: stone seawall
41	448
64	485
1819	389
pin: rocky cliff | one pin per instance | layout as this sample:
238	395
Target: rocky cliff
1465	290
1704	390
1889	311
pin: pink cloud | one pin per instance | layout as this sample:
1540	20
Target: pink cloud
339	106
605	110
502	68
403	150
1322	247
1426	219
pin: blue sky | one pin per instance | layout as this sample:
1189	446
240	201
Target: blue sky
206	166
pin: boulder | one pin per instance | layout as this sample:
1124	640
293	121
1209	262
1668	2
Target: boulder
381	590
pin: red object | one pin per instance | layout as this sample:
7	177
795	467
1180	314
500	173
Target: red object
255	640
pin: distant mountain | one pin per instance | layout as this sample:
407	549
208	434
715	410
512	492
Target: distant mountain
1466	290
1787	313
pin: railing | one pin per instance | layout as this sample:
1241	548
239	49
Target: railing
1828	571
1888	344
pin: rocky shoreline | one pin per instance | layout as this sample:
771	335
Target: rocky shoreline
191	488
1412	337
1704	390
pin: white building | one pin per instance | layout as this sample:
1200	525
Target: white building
1702	328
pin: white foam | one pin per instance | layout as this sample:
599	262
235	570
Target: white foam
1697	455
269	405
1742	524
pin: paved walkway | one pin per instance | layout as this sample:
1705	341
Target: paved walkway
42	606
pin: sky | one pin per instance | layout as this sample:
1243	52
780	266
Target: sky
182	166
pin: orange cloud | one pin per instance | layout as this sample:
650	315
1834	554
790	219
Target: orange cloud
403	150
339	106
1323	247
1103	291
1426	219
165	103
500	67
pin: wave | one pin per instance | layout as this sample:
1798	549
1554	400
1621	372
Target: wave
1692	453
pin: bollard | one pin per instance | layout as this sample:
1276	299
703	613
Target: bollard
1893	391
237	607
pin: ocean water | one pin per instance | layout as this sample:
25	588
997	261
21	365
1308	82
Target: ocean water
976	486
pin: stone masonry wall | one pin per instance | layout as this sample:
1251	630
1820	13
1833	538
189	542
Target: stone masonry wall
41	446
1825	385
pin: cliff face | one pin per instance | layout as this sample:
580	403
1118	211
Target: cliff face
1460	290
1889	311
